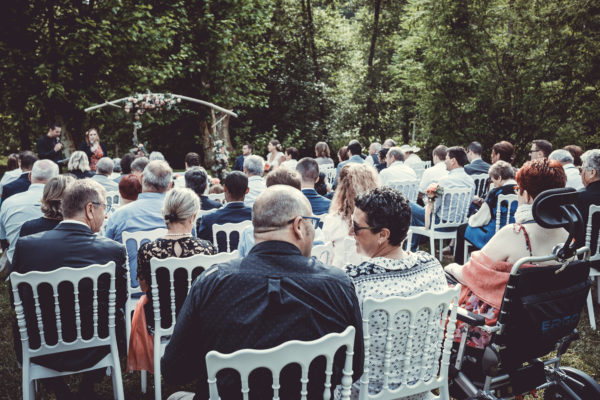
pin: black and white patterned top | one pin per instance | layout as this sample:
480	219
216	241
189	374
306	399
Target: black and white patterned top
383	277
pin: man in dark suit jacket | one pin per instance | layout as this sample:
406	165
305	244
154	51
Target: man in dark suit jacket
476	164
590	194
309	171
239	162
236	187
21	184
73	243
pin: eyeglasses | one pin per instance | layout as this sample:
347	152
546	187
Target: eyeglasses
357	228
314	221
100	204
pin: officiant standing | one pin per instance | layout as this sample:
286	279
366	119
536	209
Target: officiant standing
49	146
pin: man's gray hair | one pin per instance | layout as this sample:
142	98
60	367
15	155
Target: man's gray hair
591	160
43	170
157	176
276	205
80	193
255	165
139	164
105	166
562	156
375	146
396	153
156	155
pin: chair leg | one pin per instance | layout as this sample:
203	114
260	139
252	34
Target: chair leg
441	250
157	383
117	379
144	381
466	252
432	245
590	307
128	312
598	290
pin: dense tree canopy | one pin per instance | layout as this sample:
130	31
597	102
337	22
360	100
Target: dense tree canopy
443	71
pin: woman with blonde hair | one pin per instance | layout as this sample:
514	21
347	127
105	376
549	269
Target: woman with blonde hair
180	208
79	165
93	148
51	206
354	179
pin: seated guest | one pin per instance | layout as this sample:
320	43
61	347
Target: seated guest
51	204
79	165
482	225
116	172
274	156
380	221
291	158
125	165
504	151
138	165
275	294
476	164
21	183
388	143
179	211
572	172
129	188
354	179
576	152
144	214
382	156
456	159
485	276
321	186
216	188
435	172
236	187
253	168
104	169
156	155
196	179
73	243
191	160
309	171
372	158
239	162
25	206
590	194
410	158
322	153
342	154
93	148
540	148
13	169
353	156
397	170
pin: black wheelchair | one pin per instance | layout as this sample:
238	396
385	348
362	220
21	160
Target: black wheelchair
539	314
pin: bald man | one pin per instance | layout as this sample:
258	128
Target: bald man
275	294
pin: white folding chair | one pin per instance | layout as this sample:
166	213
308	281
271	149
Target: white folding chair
330	173
113	199
416	339
452	213
139	238
481	187
509	200
323	252
228	229
162	333
426	164
32	371
303	353
594	273
419	170
410	189
220	197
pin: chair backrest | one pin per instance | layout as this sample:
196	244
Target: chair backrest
589	231
229	228
113	198
220	197
275	359
201	213
189	265
509	200
323	252
330	173
454	208
410	189
481	186
416	338
52	340
426	164
419	170
139	238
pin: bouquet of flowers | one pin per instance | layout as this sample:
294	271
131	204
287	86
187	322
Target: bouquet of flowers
221	156
139	104
434	191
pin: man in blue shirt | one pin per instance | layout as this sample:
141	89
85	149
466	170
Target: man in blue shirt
354	151
309	171
236	187
143	214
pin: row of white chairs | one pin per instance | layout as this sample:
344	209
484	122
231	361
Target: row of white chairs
426	347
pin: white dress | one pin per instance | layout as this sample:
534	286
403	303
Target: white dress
335	230
275	162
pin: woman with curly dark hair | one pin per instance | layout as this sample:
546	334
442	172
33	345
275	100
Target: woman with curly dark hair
380	222
485	276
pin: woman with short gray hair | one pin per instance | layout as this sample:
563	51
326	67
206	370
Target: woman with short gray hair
180	208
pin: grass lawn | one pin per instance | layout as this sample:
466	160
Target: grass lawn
583	354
